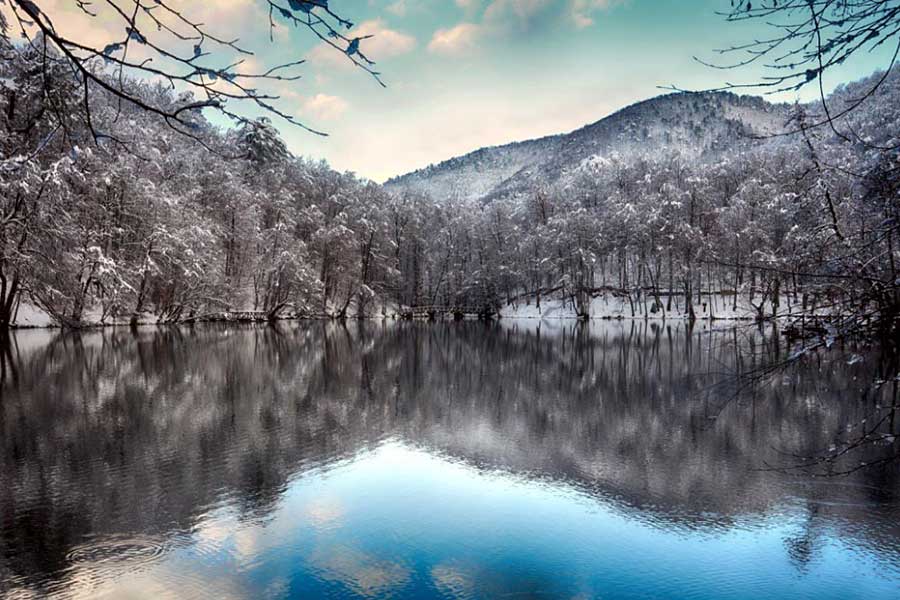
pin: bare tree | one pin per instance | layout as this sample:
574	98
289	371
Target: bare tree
806	39
208	68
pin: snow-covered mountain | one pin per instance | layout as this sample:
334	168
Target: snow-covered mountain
699	124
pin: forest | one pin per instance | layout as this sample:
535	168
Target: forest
168	228
475	352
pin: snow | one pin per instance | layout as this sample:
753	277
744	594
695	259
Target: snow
609	306
698	123
32	316
604	306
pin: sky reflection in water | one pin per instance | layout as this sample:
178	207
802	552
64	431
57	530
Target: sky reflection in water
397	521
353	464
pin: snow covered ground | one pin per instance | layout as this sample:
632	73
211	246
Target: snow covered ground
604	306
610	306
32	316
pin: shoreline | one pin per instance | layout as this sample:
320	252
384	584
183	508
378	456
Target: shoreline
441	319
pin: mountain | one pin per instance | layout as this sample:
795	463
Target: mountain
697	124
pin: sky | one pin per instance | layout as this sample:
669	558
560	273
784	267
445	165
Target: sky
464	74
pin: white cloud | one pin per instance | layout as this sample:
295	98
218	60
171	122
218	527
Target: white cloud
222	19
324	107
385	44
501	17
455	41
363	573
226	16
500	14
581	11
73	23
524	10
250	66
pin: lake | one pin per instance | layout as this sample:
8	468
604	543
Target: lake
446	460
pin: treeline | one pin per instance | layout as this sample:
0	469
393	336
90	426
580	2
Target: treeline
805	223
110	214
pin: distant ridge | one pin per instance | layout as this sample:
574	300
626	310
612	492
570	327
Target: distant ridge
698	124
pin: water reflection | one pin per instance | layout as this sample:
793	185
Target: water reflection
450	460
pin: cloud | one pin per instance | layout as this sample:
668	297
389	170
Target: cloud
455	41
324	513
386	43
250	66
453	581
581	11
324	107
525	11
73	23
222	19
364	574
225	17
105	25
501	15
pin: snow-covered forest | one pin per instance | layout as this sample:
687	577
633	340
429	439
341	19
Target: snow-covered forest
691	205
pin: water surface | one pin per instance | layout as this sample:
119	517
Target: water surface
450	460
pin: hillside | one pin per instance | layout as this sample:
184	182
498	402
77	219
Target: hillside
698	124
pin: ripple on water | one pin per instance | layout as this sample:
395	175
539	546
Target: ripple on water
114	550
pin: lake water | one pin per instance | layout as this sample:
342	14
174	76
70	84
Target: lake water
448	460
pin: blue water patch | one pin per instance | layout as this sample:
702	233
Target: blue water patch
317	460
401	522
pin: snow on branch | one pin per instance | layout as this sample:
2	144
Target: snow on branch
161	42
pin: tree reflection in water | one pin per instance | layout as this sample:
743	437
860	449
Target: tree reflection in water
128	435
